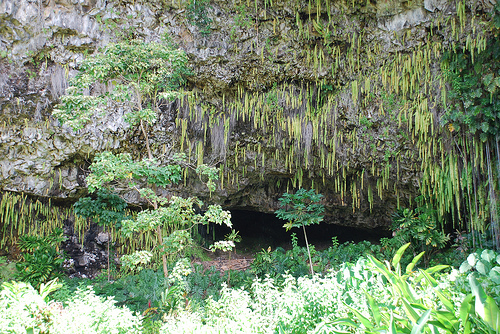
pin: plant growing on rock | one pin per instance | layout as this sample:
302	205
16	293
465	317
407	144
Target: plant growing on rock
300	210
106	208
137	75
42	260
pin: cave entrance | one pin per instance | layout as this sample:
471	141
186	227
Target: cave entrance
260	230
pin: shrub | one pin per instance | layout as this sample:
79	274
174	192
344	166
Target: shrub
42	260
24	310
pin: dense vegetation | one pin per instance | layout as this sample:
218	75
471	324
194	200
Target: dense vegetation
415	282
355	290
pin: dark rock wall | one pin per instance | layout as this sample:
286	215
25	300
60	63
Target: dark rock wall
330	94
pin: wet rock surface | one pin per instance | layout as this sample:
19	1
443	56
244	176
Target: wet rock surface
248	50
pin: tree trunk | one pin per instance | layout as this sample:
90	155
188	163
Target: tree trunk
308	251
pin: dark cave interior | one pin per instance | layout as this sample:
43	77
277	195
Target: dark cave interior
260	230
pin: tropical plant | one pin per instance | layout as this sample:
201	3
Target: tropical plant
476	310
419	228
24	310
300	210
486	265
106	208
141	75
472	119
41	258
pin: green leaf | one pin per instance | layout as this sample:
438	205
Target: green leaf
494	274
399	254
410	311
374	309
488	79
392	325
488	255
364	320
482	267
472	259
466	311
436	269
485	305
415	260
497	81
421	322
465	267
446	320
381	268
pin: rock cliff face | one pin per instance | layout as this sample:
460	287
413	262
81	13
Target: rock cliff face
332	94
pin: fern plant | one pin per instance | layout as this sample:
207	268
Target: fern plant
42	261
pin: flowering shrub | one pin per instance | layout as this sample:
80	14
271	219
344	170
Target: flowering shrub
181	270
136	261
24	310
366	297
88	313
223	245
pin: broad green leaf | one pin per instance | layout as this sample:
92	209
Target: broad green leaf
374	309
405	289
344	321
364	320
410	311
472	259
497	81
466	310
446	302
392	325
448	320
381	268
482	267
485	305
428	277
465	267
422	321
488	255
415	260
49	287
399	254
494	275
487	79
436	269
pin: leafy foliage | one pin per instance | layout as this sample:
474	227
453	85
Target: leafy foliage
137	75
24	310
108	167
42	260
138	72
7	269
475	79
179	215
107	208
300	210
420	229
197	15
486	264
369	296
135	262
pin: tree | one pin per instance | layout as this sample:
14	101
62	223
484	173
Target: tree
300	210
138	76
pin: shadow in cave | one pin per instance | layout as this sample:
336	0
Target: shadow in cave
260	230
